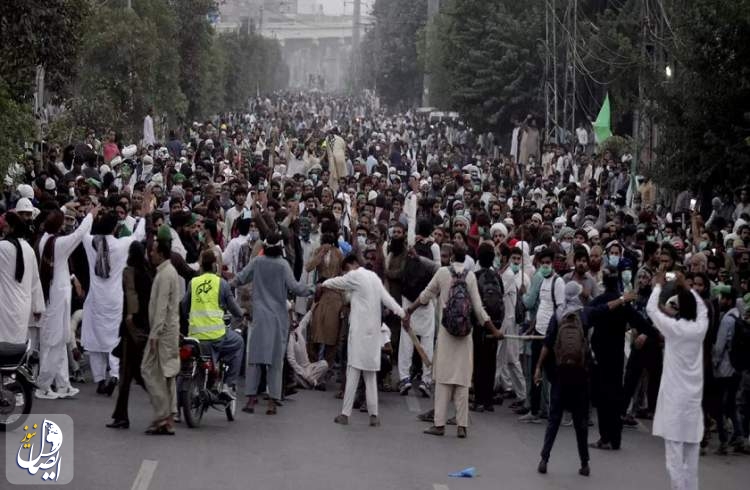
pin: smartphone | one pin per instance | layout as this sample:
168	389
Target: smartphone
692	204
671	276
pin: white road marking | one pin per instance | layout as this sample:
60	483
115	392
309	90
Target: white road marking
145	474
413	403
438	486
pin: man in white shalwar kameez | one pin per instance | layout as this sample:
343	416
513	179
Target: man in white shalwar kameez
102	310
19	282
679	415
364	343
54	325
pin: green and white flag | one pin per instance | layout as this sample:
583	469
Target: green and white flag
602	129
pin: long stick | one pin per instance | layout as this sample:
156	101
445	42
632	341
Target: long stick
521	337
425	360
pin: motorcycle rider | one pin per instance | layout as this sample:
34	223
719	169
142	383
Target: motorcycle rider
204	303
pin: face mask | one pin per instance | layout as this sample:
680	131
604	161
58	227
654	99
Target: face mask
361	241
253	235
566	246
651	238
627	276
515	268
703	245
337	215
613	260
545	270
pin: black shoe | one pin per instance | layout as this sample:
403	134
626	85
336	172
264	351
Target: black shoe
101	388
489	408
542	468
320	387
119	424
476	408
585	470
629	421
111	385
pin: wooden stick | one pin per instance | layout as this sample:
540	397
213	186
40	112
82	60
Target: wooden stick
425	360
521	337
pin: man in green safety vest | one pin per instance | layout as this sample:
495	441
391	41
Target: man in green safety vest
204	303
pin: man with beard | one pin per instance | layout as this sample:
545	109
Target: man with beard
394	267
580	274
645	353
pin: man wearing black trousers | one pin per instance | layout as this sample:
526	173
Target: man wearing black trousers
609	360
569	383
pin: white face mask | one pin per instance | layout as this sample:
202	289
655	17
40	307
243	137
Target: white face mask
362	241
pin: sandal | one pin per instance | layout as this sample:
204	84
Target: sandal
271	409
162	430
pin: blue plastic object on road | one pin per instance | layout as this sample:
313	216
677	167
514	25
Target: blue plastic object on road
469	472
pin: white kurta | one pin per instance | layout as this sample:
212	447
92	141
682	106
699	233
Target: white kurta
679	416
367	296
54	325
19	299
102	310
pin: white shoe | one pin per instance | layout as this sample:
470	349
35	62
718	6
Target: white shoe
46	394
69	392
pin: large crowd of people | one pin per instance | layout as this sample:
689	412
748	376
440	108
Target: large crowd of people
403	249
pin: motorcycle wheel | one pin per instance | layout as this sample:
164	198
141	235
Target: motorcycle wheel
231	410
193	405
12	391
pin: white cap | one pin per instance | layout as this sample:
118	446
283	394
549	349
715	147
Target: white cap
115	162
157	179
49	184
499	227
24	206
104	169
147	160
25	190
372	195
129	151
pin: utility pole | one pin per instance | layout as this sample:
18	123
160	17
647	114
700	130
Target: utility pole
357	23
433	7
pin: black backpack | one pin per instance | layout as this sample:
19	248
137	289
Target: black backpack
491	290
416	275
739	350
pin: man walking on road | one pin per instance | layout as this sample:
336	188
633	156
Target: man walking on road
161	360
364	344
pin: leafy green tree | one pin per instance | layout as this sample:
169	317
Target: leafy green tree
702	110
389	51
16	127
126	67
45	33
489	56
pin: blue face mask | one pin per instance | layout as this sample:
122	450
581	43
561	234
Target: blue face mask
613	260
545	270
515	268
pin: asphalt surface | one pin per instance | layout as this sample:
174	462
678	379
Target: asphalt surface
301	448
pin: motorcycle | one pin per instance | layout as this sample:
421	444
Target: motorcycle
16	385
200	383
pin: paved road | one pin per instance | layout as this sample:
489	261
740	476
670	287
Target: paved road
301	448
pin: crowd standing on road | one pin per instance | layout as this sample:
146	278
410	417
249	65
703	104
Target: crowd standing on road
411	252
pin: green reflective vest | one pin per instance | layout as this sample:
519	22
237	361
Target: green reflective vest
206	315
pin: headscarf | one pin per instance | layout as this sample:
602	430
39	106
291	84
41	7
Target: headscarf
101	266
573	302
47	265
15	222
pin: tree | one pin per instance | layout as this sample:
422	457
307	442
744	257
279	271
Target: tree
389	50
16	127
702	110
127	67
489	60
46	33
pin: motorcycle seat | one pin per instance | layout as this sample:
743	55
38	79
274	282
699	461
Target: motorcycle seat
11	354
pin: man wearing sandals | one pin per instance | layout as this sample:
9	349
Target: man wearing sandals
161	360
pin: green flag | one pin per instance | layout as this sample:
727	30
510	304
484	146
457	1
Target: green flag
601	125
